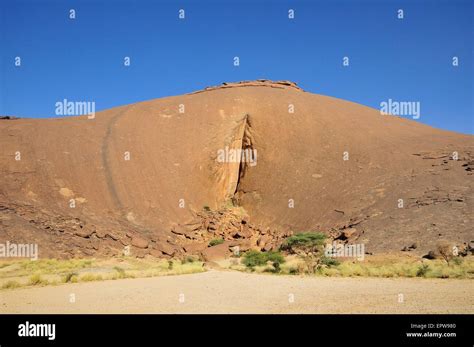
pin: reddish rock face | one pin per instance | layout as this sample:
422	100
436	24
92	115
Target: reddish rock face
327	165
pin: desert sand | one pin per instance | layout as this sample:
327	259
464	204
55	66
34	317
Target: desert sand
236	292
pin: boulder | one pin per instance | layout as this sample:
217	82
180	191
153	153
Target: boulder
139	242
268	247
217	252
84	232
195	247
165	248
263	240
156	253
181	230
112	235
244	245
245	231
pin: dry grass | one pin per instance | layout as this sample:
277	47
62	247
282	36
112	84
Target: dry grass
374	266
390	266
10	285
22	273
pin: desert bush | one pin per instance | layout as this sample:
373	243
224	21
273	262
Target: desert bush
188	259
255	258
275	257
68	277
328	261
276	266
215	242
10	285
120	272
36	280
309	246
422	270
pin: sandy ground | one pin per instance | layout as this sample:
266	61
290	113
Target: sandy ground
235	292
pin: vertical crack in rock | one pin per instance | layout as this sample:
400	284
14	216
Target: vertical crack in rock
235	159
248	157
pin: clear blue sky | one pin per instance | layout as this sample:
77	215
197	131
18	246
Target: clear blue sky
82	59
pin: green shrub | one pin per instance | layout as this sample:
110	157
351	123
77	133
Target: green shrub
188	259
206	208
68	277
216	242
275	257
457	260
255	258
422	270
328	261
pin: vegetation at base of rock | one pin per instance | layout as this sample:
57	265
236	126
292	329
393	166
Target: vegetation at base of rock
309	247
91	277
255	258
422	270
36	280
386	266
69	277
54	272
328	261
188	259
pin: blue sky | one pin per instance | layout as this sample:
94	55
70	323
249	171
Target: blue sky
82	59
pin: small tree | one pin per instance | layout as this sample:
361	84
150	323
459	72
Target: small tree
309	246
308	242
